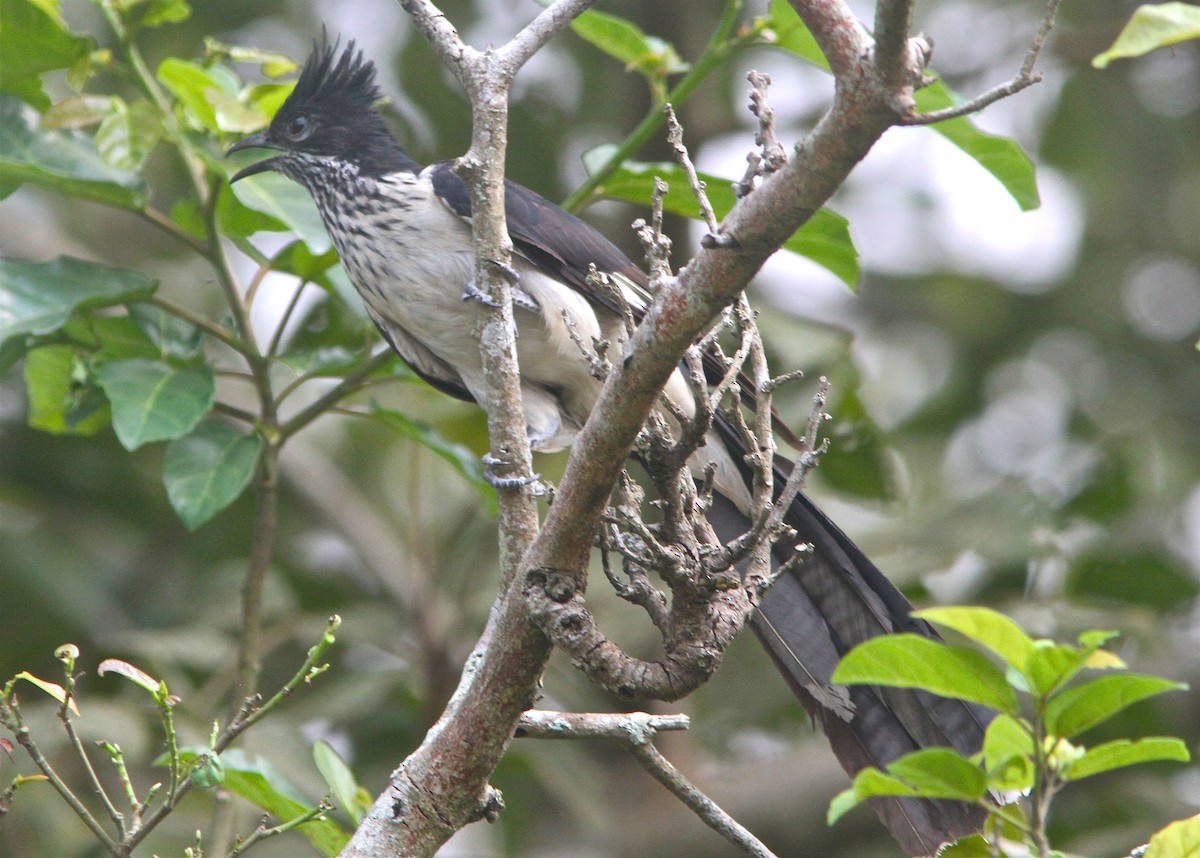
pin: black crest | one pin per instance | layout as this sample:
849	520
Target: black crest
348	83
331	113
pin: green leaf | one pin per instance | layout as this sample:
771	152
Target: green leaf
153	401
1126	752
825	239
624	41
911	661
1052	666
39	297
258	782
986	627
1003	157
109	338
236	219
1180	839
128	133
974	846
273	64
287	203
868	783
34	39
941	773
61	401
60	160
1007	754
1078	709
174	337
1153	26
161	12
337	774
791	34
52	688
460	458
193	86
206	471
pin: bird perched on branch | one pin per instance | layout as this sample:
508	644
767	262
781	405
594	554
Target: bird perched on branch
403	234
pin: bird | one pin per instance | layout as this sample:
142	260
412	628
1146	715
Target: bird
402	231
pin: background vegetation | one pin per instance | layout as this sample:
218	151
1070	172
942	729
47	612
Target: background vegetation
1016	409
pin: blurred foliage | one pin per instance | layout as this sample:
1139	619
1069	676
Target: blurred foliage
1033	447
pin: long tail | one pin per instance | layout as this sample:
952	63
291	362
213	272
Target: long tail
815	614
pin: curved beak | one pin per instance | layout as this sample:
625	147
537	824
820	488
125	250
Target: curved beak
254	141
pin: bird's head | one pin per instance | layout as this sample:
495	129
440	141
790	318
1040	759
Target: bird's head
330	116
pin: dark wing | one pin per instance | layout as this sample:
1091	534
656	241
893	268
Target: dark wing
552	238
565	246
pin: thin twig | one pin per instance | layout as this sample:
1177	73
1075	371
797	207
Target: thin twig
1025	77
632	727
661	769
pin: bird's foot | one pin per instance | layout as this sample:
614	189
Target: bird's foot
490	463
474	293
520	298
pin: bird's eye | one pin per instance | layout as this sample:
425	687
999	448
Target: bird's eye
298	128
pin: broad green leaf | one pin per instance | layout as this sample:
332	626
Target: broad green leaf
1127	752
288	203
128	133
206	471
240	221
868	783
1051	665
39	297
258	782
974	846
1153	26
460	458
911	661
34	39
337	774
1180	839
154	401
161	12
62	160
1078	709
625	42
327	361
792	35
52	688
61	401
1001	156
825	239
297	259
174	337
234	115
109	338
1007	753
941	773
987	628
193	86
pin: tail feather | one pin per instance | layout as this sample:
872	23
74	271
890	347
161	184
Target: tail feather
813	615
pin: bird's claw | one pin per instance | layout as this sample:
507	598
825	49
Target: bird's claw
498	482
520	298
474	293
